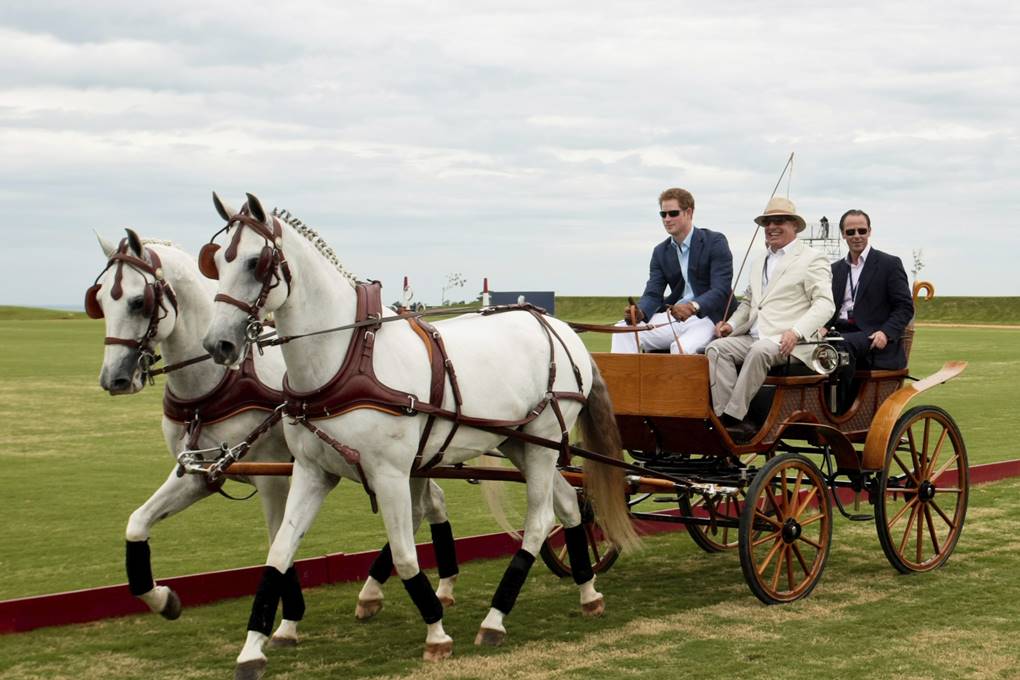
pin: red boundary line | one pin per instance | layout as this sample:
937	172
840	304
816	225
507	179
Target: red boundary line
93	604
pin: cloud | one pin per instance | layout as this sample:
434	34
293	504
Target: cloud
526	142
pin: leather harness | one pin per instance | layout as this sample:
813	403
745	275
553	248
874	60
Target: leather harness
239	390
355	386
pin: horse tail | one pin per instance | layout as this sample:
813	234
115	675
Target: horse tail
604	484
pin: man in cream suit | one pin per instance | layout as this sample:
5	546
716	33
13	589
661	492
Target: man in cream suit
789	298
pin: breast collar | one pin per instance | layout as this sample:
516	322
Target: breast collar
355	385
239	390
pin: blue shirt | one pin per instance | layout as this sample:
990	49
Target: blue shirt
683	253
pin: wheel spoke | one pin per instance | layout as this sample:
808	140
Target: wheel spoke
920	528
779	569
813	544
935	453
943	515
945	466
910	524
924	445
810	497
768	557
772	500
812	520
777	525
796	489
898	515
912	475
765	539
789	568
913	452
931	530
800	558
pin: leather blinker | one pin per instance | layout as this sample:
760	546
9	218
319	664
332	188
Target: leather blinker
207	260
148	299
92	307
265	264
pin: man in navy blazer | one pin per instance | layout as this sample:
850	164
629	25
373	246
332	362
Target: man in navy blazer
873	300
697	266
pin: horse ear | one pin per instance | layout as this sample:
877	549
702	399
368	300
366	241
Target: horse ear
134	242
225	211
257	211
108	248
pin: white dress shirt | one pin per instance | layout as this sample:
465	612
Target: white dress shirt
850	292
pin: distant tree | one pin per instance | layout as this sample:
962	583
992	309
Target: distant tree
452	281
918	262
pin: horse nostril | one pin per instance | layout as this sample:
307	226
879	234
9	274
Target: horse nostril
120	385
225	349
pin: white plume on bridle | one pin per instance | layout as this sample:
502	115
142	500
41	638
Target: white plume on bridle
316	240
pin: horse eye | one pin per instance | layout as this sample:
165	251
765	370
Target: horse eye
136	304
251	264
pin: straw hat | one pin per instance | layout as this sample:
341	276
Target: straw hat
779	207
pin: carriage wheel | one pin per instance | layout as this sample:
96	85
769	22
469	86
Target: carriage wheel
923	490
785	529
715	539
601	552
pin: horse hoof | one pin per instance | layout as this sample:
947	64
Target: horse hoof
366	609
437	651
250	670
283	642
490	637
594	608
447	600
172	609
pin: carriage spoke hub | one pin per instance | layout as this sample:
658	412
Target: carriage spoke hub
791	531
926	492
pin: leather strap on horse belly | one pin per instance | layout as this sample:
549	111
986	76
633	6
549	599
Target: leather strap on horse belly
352	456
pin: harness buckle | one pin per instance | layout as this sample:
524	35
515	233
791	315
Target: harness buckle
145	361
253	331
410	410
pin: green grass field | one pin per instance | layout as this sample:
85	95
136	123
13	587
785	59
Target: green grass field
672	612
75	462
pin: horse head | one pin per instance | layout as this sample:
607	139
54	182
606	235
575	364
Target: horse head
254	277
139	307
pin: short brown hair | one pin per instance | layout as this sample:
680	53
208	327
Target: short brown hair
681	196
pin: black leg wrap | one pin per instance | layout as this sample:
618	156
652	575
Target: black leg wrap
382	565
292	597
577	550
445	549
513	580
263	609
139	568
420	590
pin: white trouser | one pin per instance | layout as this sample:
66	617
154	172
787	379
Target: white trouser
694	333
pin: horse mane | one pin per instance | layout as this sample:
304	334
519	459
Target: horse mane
313	237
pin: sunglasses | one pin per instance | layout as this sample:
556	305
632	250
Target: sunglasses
853	232
774	220
671	213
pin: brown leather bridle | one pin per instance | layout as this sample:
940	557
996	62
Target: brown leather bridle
270	270
154	295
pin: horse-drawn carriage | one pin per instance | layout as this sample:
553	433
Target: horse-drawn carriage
364	379
911	465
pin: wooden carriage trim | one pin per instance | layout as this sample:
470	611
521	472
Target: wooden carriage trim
877	442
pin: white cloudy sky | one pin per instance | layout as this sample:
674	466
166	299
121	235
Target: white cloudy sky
523	141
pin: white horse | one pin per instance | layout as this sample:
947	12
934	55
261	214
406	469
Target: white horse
162	300
502	365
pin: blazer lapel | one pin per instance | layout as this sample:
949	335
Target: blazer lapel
839	282
694	256
867	273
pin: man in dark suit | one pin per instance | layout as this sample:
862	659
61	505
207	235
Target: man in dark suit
697	266
873	300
